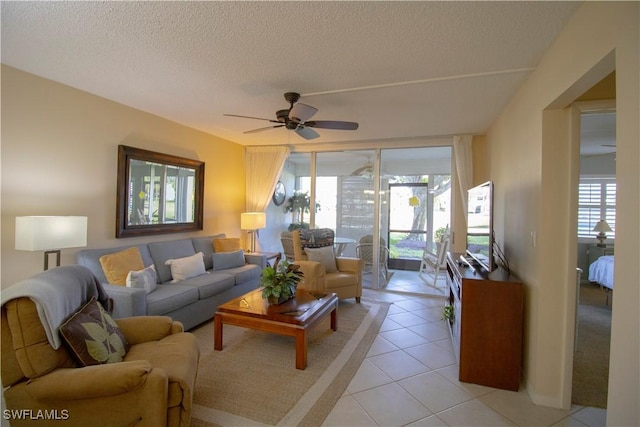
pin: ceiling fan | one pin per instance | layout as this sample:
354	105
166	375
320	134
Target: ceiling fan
365	170
296	118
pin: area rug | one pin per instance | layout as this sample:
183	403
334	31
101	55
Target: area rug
253	380
591	360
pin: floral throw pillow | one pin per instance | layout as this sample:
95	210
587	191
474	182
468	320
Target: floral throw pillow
93	336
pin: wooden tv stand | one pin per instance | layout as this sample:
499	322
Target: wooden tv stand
486	330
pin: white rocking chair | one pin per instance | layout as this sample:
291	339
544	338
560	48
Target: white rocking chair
432	264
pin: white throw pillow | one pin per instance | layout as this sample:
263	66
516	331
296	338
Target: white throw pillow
324	256
146	279
184	268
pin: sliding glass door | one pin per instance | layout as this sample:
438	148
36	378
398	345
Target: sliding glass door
394	199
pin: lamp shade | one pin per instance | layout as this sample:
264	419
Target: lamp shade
253	220
38	233
602	226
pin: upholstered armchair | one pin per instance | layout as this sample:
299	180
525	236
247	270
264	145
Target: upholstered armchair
151	386
323	271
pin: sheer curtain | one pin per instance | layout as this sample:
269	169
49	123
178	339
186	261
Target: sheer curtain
263	165
464	165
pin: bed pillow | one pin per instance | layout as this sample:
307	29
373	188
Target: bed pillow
187	267
93	336
146	279
228	244
324	256
224	260
116	266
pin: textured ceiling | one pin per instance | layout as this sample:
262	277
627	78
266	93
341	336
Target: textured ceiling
400	69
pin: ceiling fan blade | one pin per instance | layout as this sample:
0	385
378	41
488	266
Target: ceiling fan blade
249	117
263	129
307	133
332	124
302	112
368	167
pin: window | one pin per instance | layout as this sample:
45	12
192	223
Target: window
596	201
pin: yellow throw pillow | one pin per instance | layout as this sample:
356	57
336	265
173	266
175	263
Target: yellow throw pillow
116	266
227	244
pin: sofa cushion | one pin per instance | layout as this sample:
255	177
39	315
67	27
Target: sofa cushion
324	256
170	297
245	273
146	279
224	260
205	245
209	284
184	268
93	337
172	249
228	244
90	258
117	265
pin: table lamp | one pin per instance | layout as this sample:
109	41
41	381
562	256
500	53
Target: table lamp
50	234
253	221
601	227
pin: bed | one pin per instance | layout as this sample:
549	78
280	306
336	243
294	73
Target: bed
601	271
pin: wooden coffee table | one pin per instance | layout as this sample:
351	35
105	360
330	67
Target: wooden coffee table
292	318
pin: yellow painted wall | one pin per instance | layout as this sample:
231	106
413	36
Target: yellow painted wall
532	155
59	157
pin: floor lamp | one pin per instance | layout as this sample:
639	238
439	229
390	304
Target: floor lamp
253	221
50	234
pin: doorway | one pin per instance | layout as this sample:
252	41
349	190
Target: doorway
407	231
596	201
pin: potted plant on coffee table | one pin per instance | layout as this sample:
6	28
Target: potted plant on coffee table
280	282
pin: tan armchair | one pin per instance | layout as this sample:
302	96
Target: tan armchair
346	282
152	386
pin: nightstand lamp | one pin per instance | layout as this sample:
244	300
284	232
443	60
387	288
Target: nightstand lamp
601	227
253	221
50	234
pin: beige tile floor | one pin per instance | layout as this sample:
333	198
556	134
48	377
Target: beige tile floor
409	377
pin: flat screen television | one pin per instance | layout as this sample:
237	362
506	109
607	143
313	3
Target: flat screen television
480	225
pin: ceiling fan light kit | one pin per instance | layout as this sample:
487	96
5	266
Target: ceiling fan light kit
296	118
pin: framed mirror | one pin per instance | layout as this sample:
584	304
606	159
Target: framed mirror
158	193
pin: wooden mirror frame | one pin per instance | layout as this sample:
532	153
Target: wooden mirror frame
123	227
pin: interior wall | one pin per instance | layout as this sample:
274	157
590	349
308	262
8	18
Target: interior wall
59	157
600	37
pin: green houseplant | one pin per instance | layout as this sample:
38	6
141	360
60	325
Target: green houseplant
280	282
299	204
448	314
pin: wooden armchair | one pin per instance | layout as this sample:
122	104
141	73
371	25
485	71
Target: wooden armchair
432	264
364	251
323	271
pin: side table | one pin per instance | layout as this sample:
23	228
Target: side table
269	255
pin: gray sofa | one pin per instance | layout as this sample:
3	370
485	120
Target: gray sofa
191	301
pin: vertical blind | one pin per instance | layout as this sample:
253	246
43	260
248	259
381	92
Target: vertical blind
596	201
